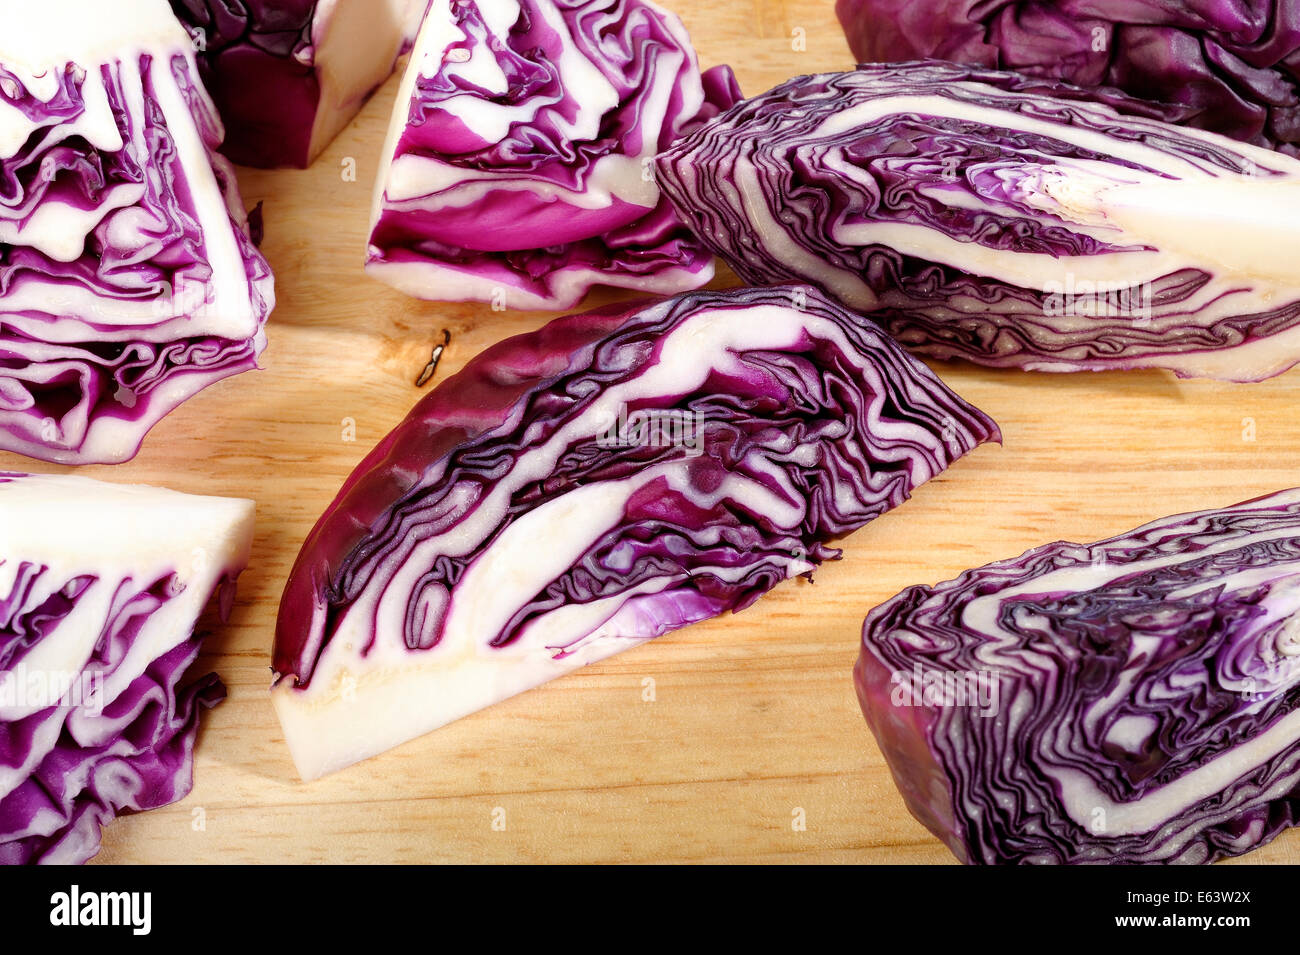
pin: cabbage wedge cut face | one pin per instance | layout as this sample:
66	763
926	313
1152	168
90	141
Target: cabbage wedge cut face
582	489
517	166
288	75
128	281
1136	700
100	589
1013	222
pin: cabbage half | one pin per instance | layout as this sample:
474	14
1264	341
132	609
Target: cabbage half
582	489
1009	221
1229	66
517	168
100	589
1136	700
288	75
128	281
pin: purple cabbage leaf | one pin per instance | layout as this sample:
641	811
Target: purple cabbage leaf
128	280
1136	700
579	490
517	168
1010	221
100	589
1228	67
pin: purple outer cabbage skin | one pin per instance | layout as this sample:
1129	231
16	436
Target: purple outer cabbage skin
115	311
113	627
260	60
517	169
1010	221
1136	700
1227	67
810	423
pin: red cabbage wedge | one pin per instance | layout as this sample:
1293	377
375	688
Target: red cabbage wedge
579	490
1136	700
100	589
1229	66
1005	220
516	170
288	75
128	281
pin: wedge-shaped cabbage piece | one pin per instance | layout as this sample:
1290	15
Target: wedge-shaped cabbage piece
1136	700
100	589
579	490
128	281
288	75
517	167
1006	220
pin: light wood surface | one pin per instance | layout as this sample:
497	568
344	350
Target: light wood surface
753	723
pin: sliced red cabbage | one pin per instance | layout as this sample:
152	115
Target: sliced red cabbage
1228	66
516	170
1006	220
288	75
579	490
128	281
100	589
1136	700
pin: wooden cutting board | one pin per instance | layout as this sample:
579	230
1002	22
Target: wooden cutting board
738	739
